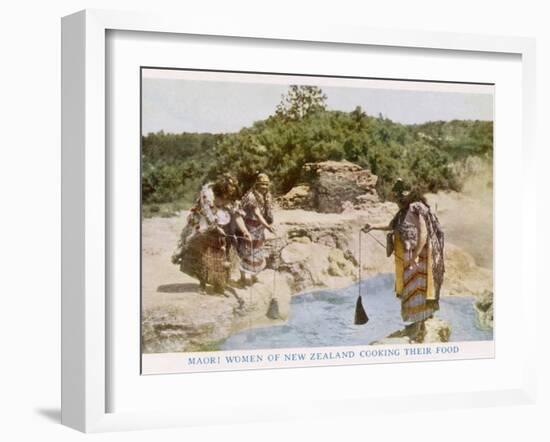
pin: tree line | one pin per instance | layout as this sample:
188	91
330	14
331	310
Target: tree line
303	130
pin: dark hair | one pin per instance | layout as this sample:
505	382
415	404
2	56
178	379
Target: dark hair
226	186
415	195
400	186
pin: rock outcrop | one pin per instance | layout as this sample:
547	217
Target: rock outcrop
316	265
333	187
299	197
179	318
335	182
432	330
435	330
484	309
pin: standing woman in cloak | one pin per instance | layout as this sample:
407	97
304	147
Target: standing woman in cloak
257	205
417	242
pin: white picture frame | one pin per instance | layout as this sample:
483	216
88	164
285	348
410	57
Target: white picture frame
86	201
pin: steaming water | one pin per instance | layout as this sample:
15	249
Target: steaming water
325	318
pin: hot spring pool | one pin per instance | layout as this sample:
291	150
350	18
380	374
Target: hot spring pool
324	318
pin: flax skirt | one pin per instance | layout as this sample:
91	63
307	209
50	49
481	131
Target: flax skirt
414	285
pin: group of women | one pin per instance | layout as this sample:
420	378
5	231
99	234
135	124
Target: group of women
221	222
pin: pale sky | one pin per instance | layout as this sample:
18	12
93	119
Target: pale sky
180	101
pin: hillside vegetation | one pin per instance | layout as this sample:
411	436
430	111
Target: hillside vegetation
303	130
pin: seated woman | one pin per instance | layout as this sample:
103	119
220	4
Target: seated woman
202	248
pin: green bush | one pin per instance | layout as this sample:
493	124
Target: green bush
175	165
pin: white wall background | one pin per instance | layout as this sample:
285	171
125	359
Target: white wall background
30	214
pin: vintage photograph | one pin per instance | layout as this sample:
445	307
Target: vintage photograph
288	212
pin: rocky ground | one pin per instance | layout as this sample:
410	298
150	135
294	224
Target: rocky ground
430	331
317	245
311	250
